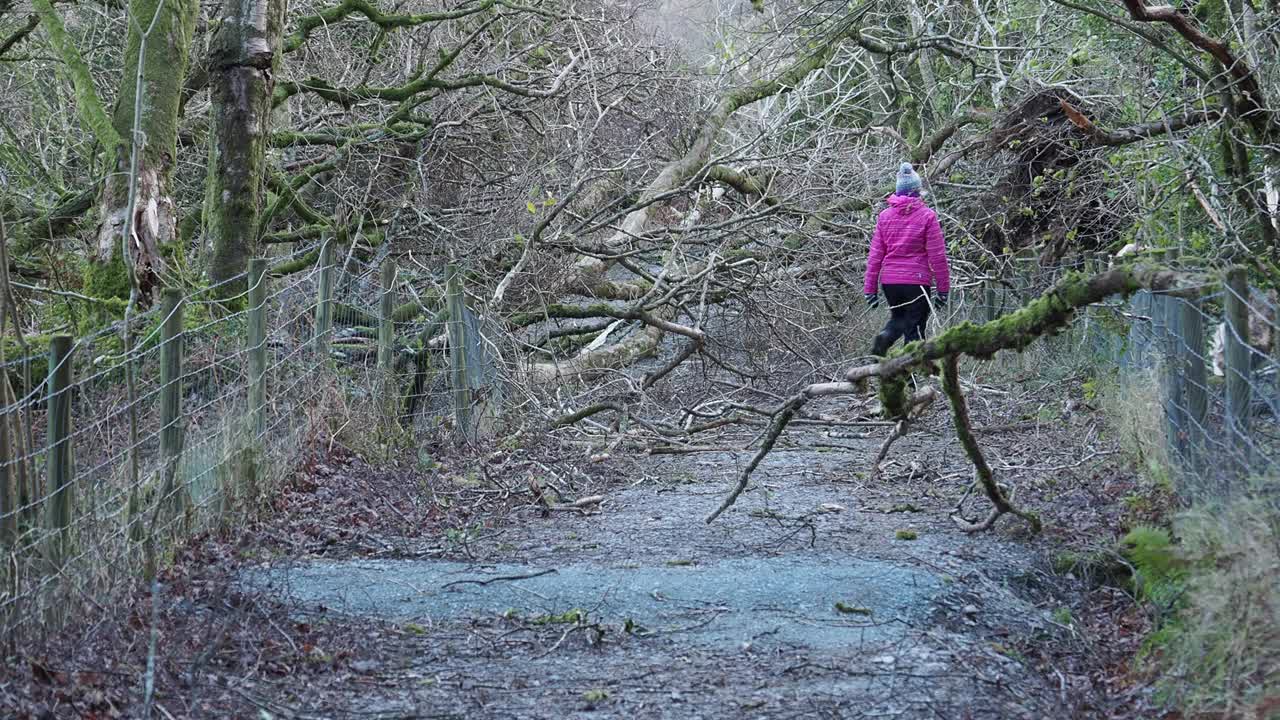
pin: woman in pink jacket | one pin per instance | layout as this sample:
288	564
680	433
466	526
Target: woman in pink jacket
908	256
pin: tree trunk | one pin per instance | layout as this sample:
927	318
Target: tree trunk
243	54
150	94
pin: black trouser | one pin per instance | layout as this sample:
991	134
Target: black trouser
908	313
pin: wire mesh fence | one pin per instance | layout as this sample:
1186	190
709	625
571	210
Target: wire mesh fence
110	456
1209	368
1213	366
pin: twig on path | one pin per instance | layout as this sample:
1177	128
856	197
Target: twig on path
564	636
540	573
1008	427
784	415
715	615
690	449
1059	468
589	505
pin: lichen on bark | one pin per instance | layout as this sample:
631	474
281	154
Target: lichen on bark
244	53
163	28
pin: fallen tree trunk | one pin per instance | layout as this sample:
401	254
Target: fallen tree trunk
1045	315
639	345
587	276
588	273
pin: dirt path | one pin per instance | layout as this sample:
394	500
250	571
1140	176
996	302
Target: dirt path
808	600
395	592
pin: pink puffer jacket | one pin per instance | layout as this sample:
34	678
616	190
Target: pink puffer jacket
907	247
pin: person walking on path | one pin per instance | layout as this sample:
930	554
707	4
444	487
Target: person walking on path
908	256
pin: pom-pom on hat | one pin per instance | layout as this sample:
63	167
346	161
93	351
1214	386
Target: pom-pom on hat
907	180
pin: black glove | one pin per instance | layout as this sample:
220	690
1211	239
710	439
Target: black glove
873	299
940	299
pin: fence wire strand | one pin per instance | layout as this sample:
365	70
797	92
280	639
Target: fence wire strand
49	572
52	575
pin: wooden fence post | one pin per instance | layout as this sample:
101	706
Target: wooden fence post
171	437
386	308
457	332
386	384
258	347
8	473
1195	382
1238	370
14	476
324	299
989	299
1172	378
59	441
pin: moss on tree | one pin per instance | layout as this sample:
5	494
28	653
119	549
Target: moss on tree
108	281
982	470
243	57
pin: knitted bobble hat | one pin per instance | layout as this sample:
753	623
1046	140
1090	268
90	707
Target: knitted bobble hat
908	180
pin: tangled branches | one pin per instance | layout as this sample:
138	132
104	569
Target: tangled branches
1045	315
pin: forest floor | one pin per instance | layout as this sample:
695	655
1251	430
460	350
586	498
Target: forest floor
395	592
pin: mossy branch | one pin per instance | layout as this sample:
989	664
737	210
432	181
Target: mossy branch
1045	315
33	21
346	314
288	195
56	221
893	397
298	264
339	12
982	469
365	228
88	105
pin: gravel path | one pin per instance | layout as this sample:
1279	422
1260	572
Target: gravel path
816	597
